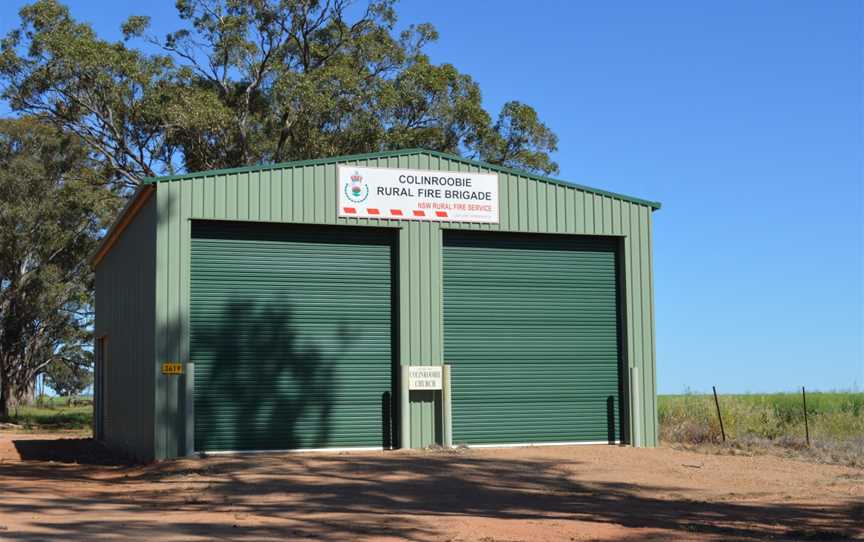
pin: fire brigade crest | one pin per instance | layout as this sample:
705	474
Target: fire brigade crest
355	190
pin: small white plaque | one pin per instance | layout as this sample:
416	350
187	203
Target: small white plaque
425	378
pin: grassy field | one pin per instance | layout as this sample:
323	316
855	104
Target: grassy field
769	422
54	413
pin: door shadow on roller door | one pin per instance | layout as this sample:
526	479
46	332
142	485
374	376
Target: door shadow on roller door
265	379
610	419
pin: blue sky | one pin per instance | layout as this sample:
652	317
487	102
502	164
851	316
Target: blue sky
744	118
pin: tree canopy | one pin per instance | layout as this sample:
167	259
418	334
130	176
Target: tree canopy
70	374
254	81
52	207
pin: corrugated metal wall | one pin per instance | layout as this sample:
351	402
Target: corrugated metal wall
125	315
306	194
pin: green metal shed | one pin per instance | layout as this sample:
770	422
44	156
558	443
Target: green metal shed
277	307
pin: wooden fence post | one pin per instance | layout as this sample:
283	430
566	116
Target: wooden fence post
719	417
806	423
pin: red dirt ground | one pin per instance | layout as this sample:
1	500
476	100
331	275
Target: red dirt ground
54	488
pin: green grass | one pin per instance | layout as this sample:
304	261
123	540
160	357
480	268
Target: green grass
52	414
775	420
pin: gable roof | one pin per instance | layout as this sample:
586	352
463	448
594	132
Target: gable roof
392	154
149	184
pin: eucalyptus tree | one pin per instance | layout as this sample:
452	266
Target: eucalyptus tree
253	81
53	204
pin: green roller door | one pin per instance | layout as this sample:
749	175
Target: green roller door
290	336
531	329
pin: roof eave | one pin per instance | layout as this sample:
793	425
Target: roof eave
130	210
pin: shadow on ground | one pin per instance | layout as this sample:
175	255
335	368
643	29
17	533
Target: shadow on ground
83	451
346	496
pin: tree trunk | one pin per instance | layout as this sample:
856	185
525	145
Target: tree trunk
7	399
28	397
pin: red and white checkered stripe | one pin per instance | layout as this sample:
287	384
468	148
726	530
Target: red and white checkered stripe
394	213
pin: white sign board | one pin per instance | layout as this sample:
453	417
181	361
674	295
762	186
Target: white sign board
412	194
425	378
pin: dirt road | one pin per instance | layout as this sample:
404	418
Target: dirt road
66	489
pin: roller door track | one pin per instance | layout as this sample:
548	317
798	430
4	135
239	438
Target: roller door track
290	336
531	327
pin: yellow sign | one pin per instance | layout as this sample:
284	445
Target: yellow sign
170	368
